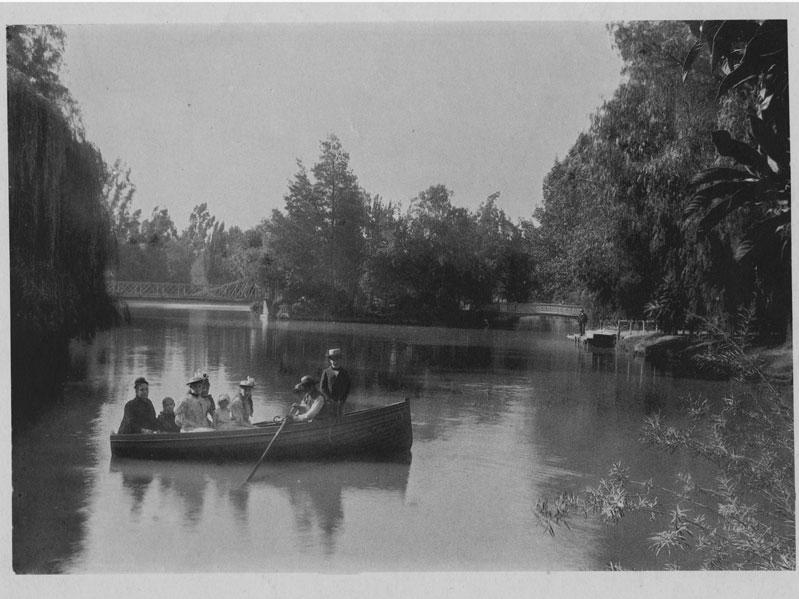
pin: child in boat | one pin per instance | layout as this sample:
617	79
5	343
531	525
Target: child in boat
166	419
222	415
241	406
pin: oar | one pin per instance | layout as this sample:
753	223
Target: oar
268	447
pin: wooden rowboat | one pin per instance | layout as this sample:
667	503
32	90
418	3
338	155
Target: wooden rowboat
374	432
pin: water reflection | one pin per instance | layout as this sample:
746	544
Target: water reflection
136	484
499	417
314	489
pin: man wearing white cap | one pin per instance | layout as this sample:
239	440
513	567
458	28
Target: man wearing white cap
335	383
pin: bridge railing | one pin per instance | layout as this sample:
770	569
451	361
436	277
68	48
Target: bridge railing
235	291
532	308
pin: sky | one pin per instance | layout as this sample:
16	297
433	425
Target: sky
220	113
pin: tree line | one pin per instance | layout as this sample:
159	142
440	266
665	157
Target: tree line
647	212
336	251
672	205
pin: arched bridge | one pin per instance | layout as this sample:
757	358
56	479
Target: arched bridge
534	309
236	291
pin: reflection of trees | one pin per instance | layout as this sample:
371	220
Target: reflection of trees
136	485
185	480
191	490
240	499
322	501
315	490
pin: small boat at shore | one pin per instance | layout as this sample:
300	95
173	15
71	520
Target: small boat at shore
382	432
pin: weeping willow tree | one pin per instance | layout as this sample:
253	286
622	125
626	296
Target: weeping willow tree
59	236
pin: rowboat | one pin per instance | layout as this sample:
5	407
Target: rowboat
382	432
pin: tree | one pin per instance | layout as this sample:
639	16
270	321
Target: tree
118	192
612	222
59	238
159	228
336	190
754	182
201	226
319	241
36	52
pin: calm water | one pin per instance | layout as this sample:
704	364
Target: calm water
500	419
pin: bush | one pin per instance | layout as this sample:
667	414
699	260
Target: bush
746	518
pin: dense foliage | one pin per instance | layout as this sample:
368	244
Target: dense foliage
337	251
616	231
58	227
613	224
753	184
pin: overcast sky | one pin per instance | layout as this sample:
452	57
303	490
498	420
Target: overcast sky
220	113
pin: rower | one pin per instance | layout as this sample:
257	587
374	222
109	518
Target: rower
312	403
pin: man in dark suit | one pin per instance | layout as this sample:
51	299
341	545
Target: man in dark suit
335	383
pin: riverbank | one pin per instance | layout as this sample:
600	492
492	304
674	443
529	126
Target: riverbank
694	355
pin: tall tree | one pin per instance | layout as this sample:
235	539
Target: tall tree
319	241
37	52
118	191
336	190
59	237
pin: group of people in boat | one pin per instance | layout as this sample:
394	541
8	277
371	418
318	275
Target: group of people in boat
198	411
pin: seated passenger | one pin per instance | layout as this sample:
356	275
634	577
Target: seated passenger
239	414
312	405
139	415
245	395
166	419
222	415
210	406
191	413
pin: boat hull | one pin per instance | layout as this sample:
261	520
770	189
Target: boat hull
376	432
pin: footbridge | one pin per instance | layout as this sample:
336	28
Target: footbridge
234	292
534	309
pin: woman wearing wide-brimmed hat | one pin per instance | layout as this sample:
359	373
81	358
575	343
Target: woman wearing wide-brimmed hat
192	411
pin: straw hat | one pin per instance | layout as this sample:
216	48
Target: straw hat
334	353
198	377
248	382
306	381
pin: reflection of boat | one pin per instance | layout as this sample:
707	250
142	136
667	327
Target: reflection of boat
384	476
374	432
315	490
